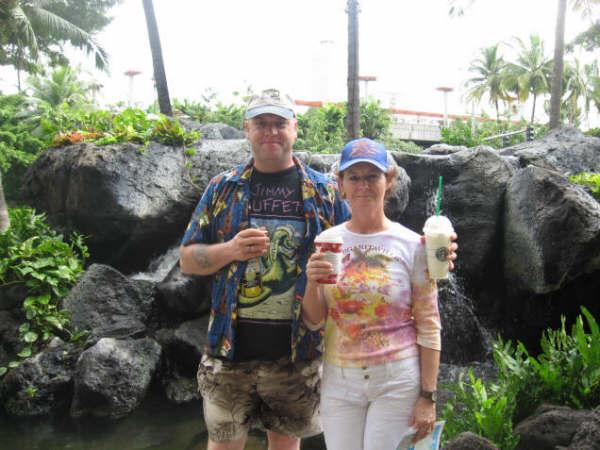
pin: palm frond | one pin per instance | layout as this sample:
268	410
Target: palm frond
53	25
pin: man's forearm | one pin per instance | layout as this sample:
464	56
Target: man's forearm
204	259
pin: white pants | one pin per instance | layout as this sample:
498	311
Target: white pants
368	408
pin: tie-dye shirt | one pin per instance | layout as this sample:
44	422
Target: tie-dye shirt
384	305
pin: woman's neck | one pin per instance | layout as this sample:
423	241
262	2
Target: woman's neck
368	223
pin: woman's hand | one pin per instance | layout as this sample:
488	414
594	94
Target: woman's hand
423	418
317	268
451	250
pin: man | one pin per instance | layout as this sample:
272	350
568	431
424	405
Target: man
253	229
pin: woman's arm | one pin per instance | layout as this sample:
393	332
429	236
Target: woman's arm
424	412
314	307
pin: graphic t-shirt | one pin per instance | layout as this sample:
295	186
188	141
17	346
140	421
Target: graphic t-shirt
267	290
384	303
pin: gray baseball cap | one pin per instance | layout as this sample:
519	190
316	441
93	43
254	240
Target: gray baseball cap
270	101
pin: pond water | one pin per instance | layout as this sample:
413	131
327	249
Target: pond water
156	425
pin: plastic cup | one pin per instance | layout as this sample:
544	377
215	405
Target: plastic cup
332	249
438	230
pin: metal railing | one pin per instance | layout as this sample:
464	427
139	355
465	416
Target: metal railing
528	131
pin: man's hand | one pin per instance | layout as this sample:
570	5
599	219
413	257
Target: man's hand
250	243
451	250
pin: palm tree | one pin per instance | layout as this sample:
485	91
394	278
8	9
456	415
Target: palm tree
353	117
557	71
4	219
559	51
490	70
530	74
577	85
25	22
62	86
160	78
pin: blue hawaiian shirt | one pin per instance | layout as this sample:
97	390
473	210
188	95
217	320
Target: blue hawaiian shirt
222	212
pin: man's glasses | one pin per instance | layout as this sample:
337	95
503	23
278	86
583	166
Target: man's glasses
370	179
264	126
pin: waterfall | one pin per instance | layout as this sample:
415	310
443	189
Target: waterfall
160	266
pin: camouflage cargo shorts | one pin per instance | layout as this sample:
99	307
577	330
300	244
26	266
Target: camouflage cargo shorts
284	396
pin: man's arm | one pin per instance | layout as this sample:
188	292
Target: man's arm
204	259
207	259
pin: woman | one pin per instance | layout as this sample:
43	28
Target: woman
382	325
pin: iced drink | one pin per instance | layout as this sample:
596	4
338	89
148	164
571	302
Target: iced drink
437	231
332	249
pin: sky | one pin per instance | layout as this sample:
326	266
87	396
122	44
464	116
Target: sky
300	47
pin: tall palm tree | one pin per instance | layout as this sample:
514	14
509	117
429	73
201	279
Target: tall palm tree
353	114
585	6
160	78
489	80
25	22
557	71
530	73
4	219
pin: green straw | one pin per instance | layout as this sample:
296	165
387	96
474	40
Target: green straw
438	196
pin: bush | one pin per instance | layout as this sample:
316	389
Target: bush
471	134
566	372
35	256
590	180
593	132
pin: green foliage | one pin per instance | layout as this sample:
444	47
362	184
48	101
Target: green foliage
591	180
566	372
209	110
35	256
323	130
482	409
593	132
466	133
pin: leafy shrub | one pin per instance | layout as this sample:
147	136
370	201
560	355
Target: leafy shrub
566	372
323	130
593	132
591	180
471	134
484	409
35	256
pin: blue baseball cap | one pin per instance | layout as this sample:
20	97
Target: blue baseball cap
364	150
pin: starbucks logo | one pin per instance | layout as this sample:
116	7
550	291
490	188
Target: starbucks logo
441	254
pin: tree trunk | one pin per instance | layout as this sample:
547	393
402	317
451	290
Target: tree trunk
160	79
533	108
4	219
353	114
557	73
497	112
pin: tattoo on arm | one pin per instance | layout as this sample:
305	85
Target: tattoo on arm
200	255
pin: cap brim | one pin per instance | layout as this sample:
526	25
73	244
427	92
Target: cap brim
365	160
277	110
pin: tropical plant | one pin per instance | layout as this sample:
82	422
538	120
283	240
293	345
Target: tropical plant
575	88
590	180
63	85
484	409
34	27
530	73
158	63
585	6
566	372
36	257
489	79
